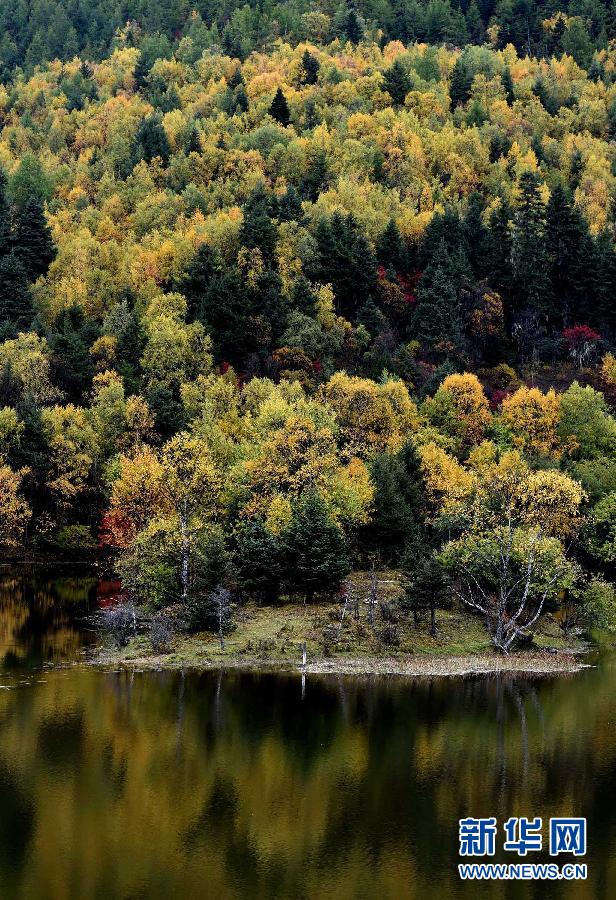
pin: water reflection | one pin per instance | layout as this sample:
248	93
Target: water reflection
41	615
118	785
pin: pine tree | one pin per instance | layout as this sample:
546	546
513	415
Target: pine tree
241	101
16	310
346	262
316	178
310	68
353	28
570	250
391	250
198	279
498	249
279	109
32	241
460	83
397	83
425	582
316	552
5	218
152	140
236	79
476	235
507	81
398	505
290	206
259	561
436	320
530	265
258	229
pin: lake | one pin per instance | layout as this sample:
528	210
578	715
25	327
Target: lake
158	785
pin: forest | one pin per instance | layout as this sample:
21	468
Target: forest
287	290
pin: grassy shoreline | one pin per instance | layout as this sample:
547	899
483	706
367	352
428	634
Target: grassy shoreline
271	638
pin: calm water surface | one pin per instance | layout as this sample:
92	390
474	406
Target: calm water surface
159	785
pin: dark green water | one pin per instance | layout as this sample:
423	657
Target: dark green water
160	785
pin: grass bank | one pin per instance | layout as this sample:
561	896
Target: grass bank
271	637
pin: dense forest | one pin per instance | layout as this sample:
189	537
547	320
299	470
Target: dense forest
36	31
283	291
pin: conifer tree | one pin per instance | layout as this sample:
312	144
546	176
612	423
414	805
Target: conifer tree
397	82
390	249
530	265
5	218
353	28
259	561
316	552
436	320
507	81
32	241
570	250
279	109
498	248
258	229
152	140
460	83
310	68
16	310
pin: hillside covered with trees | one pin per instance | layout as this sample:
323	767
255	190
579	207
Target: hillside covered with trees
284	291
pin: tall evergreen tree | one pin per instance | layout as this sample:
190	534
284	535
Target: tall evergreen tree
397	82
279	109
391	250
310	68
198	279
476	235
258	229
460	83
498	249
16	310
346	262
353	27
316	552
530	264
152	140
32	241
5	218
570	251
507	81
259	561
436	321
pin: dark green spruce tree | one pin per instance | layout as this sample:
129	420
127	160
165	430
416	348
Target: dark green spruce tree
32	241
310	68
279	109
436	321
259	561
316	553
460	83
16	310
532	289
397	82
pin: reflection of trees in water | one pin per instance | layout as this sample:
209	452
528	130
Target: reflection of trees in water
233	782
38	615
